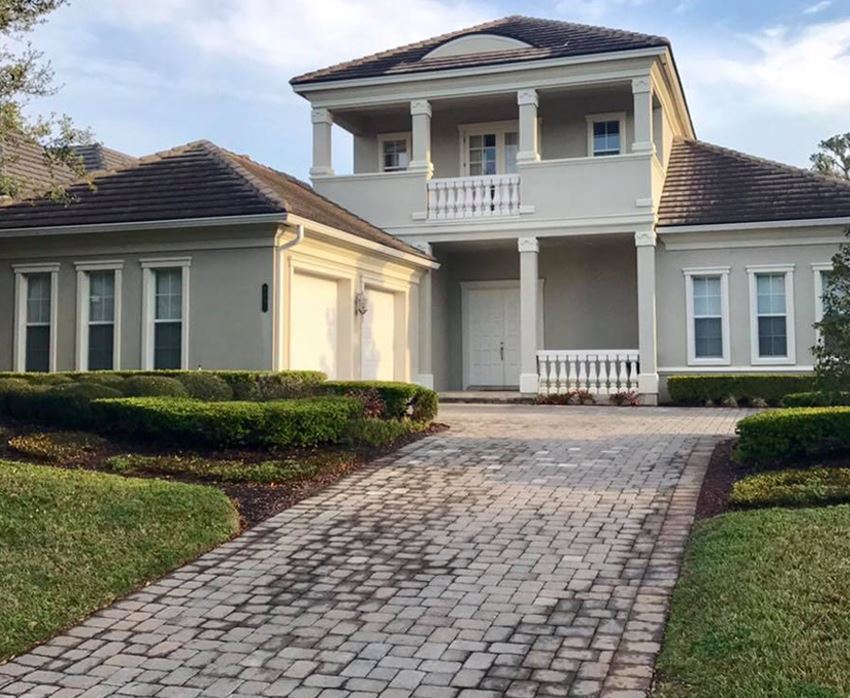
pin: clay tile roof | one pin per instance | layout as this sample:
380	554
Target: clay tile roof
196	180
546	38
707	184
98	157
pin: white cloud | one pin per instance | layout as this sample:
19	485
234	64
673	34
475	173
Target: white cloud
594	10
817	7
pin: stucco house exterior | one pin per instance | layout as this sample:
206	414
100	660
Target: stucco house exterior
529	209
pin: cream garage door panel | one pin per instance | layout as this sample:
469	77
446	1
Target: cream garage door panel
315	323
377	360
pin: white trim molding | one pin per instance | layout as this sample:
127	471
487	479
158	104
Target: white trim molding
82	345
148	307
756	225
19	346
592	119
753	271
818	270
708	272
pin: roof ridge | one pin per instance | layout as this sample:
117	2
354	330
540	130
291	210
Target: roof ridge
747	157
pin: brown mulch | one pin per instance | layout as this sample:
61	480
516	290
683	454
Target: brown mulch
721	474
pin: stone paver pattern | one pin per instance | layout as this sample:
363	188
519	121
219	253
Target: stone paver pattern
528	551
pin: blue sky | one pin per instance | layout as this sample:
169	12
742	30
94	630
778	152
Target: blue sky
770	77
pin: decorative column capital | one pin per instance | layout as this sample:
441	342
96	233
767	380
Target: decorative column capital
645	237
528	245
321	115
527	97
640	85
423	247
420	107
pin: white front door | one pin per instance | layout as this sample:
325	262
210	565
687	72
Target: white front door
314	324
493	337
377	354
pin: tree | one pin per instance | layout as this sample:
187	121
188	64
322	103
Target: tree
832	352
834	156
24	75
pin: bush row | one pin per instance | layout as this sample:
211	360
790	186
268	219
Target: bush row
394	400
744	388
817	399
794	434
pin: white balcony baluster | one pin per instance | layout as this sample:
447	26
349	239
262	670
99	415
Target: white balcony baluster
473	197
600	372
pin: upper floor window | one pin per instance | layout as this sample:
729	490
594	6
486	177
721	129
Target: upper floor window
606	134
489	149
36	312
772	314
707	297
394	151
98	315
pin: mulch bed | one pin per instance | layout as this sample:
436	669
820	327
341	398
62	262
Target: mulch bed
721	474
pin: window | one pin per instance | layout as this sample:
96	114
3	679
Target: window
821	272
166	336
707	297
99	315
605	134
771	312
394	151
489	149
36	298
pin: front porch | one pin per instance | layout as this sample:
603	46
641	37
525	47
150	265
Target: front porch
549	315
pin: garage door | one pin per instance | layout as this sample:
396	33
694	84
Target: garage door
378	337
315	321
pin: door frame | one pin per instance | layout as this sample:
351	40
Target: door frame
501	284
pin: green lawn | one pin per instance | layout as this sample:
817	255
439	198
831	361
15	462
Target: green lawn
762	608
71	541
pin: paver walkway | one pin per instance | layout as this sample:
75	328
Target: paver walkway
527	551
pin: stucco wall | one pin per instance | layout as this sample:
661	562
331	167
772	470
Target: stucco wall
227	328
589	296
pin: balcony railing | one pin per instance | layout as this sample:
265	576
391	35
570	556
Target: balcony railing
599	371
473	197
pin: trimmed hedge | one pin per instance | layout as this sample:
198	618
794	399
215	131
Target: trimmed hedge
153	386
401	400
793	434
281	423
64	404
772	388
816	399
792	488
206	386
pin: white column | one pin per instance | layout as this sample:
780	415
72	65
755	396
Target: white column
420	116
528	249
322	149
642	92
529	148
647	332
425	375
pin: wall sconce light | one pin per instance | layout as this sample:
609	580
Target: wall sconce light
361	306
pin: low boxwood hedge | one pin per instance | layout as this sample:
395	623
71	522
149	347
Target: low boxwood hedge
745	388
816	399
792	435
400	400
63	404
153	386
280	423
806	487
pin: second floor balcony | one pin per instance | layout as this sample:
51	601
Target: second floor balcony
576	154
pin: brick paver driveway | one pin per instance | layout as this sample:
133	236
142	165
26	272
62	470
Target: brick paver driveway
527	551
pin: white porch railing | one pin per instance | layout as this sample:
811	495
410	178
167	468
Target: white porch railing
599	371
473	197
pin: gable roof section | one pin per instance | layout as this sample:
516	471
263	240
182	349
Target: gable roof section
98	157
547	38
27	162
710	185
198	180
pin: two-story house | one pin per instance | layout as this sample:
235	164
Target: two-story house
585	237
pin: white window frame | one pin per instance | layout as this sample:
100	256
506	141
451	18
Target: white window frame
610	116
818	269
149	304
19	346
499	128
723	273
405	136
83	269
791	353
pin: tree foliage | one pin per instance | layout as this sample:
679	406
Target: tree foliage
832	352
24	76
833	158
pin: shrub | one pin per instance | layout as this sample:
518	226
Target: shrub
112	380
789	435
400	399
699	390
47	378
816	399
57	446
206	386
792	488
383	432
625	397
153	386
279	423
66	404
263	385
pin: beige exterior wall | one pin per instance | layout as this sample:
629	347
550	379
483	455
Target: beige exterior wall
227	328
589	296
